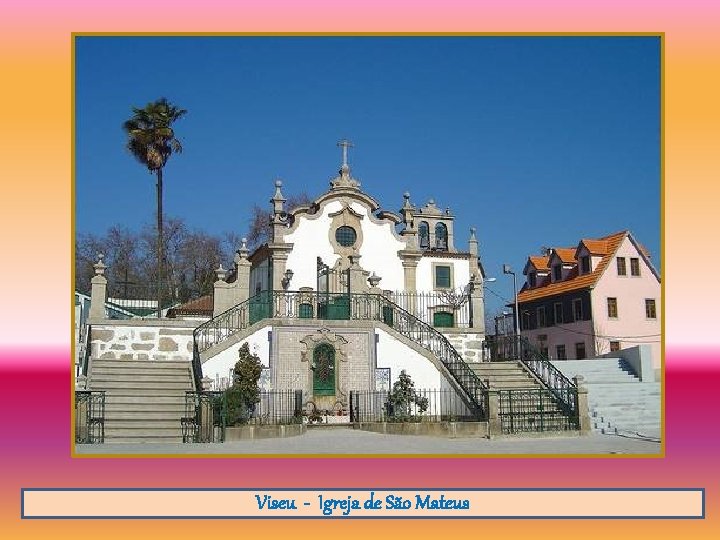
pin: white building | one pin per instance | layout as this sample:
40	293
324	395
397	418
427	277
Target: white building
346	295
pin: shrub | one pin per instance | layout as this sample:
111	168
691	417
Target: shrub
401	400
244	394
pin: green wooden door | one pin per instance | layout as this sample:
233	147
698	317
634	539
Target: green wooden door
339	309
324	370
260	305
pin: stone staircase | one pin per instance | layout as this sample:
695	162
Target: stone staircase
506	374
144	401
619	403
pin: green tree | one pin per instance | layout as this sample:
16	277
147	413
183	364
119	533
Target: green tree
244	394
151	140
402	397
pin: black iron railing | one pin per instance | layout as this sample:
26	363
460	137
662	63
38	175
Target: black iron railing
307	305
85	352
449	308
439	406
128	300
524	410
89	417
207	413
520	348
204	420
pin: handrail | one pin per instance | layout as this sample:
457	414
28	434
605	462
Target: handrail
540	366
86	352
355	306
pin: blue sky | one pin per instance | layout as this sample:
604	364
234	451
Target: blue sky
536	141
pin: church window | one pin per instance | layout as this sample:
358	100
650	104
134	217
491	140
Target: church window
442	277
441	236
424	235
345	236
443	319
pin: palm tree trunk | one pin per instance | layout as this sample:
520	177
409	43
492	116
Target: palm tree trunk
160	250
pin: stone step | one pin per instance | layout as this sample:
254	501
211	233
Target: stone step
98	379
178	407
143	439
121	370
144	432
141	385
144	415
143	392
175	398
159	364
157	424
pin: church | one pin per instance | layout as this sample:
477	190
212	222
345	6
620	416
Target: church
346	295
344	300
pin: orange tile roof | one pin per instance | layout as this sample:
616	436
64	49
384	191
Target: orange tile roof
574	281
199	306
567	255
595	247
539	262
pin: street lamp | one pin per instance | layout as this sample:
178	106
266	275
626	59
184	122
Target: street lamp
508	270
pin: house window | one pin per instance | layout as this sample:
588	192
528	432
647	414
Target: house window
442	277
441	236
557	272
541	317
558	312
580	350
532	279
622	270
443	319
345	236
526	320
578	309
612	308
614	346
585	264
424	235
544	351
560	352
634	266
650	312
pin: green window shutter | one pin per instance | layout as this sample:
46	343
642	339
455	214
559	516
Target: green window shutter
442	319
442	277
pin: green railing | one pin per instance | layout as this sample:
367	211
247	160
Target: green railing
341	306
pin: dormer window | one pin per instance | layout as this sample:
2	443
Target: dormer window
557	272
585	264
424	235
532	279
441	236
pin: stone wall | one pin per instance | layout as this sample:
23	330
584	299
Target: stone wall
468	344
143	341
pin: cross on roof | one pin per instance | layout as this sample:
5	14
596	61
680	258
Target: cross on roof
345	144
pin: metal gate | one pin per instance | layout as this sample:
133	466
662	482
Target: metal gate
333	292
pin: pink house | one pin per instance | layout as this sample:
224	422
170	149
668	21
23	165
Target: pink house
601	296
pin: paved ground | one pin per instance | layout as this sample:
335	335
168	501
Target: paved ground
355	442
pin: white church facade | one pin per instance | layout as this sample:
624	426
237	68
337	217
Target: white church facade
346	295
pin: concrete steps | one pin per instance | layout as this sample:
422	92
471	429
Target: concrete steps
144	401
509	374
619	403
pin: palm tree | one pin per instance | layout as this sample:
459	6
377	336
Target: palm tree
152	141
